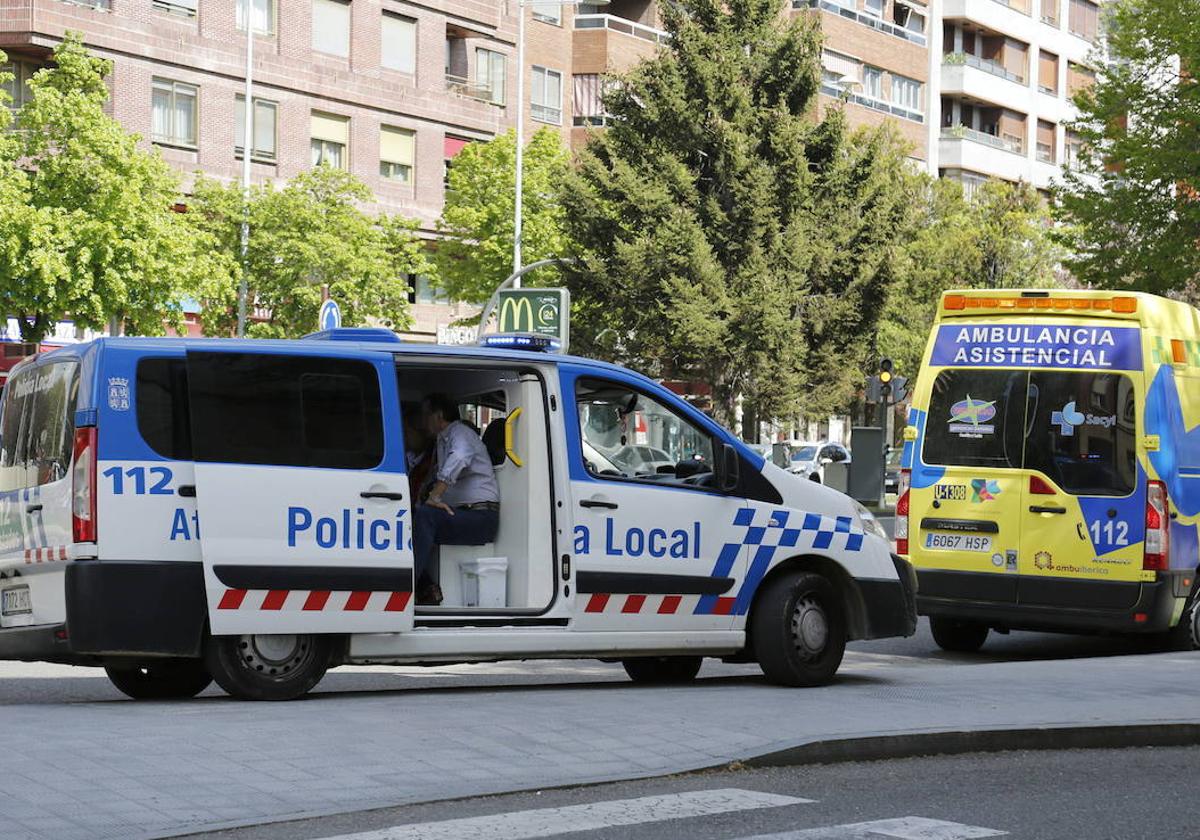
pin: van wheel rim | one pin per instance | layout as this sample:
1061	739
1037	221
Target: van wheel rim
274	655
810	627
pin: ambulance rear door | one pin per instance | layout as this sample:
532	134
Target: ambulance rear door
964	502
301	491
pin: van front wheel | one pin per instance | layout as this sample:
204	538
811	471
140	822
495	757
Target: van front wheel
957	635
165	679
662	670
799	630
268	667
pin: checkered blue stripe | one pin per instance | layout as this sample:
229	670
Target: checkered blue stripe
767	531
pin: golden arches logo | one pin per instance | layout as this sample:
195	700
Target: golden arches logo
516	315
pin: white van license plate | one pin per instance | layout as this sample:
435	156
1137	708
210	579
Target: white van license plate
958	542
15	601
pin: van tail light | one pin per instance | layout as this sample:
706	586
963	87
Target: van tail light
83	486
1038	486
902	511
1157	556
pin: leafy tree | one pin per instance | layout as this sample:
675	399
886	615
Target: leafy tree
725	232
1130	205
308	234
997	239
88	230
475	254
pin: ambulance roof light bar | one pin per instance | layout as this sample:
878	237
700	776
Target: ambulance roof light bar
522	341
1038	300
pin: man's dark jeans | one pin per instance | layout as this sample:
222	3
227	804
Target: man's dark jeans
433	526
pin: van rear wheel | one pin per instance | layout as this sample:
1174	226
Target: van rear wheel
165	679
662	670
798	629
268	667
956	635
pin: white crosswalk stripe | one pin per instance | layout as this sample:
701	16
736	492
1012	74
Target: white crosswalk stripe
903	828
548	822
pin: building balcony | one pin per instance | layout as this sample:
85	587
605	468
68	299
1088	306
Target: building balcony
625	27
960	147
873	21
984	85
883	107
470	89
608	44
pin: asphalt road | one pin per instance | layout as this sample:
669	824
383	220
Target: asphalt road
1069	795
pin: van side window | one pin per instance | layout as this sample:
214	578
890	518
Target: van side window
162	407
617	425
37	426
304	411
976	419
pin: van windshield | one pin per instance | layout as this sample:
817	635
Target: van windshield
1076	427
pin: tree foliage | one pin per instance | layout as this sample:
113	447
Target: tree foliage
1130	205
304	235
477	223
87	226
724	231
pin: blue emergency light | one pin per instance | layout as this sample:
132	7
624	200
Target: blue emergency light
521	341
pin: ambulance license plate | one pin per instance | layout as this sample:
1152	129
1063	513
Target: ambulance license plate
958	542
15	601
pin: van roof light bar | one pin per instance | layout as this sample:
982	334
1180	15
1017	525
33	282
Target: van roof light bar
356	334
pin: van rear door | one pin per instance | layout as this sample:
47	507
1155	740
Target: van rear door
301	491
966	485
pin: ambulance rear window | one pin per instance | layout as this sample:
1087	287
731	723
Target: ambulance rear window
975	418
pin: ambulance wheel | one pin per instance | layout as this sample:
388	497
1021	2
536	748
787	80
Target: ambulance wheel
165	679
957	635
662	670
799	630
268	667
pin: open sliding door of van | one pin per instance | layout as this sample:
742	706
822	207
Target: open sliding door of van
302	494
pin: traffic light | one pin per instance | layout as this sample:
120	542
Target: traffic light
885	379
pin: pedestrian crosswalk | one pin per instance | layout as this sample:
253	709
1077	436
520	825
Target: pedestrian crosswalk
664	809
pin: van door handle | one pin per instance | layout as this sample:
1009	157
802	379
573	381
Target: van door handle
33	508
1046	509
381	494
596	503
188	491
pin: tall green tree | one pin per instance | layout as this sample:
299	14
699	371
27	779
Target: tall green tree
476	252
309	234
1132	203
727	233
1000	238
88	230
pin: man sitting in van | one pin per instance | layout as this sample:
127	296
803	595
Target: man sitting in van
463	505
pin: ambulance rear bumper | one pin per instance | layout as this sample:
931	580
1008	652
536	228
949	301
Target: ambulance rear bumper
1075	611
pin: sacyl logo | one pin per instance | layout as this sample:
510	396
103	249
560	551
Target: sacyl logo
1070	417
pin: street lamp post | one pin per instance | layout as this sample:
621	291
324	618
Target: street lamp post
243	287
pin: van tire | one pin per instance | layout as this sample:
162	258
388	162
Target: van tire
798	629
662	670
268	667
163	679
954	634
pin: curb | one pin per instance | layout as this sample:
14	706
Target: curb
920	744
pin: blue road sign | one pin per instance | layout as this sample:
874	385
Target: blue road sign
331	316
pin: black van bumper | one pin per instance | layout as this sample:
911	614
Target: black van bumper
41	643
890	605
1064	605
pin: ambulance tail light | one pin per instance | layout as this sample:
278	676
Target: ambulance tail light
83	486
1158	523
902	511
1038	486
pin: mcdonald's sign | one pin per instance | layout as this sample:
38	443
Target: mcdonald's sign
543	312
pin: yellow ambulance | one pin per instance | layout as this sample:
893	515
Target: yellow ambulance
1051	468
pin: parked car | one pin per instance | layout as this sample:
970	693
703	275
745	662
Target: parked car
809	459
891	470
643	460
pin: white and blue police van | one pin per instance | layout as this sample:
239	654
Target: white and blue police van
181	511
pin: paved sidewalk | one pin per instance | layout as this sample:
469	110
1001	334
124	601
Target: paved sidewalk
127	770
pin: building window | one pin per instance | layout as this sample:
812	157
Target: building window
1047	72
1074	149
451	146
330	140
906	93
94	4
263	15
18	86
1083	19
872	82
1045	141
546	96
907	17
422	290
184	8
588	99
397	154
489	74
399	48
874	7
548	12
331	27
173	113
263	129
1079	78
1050	12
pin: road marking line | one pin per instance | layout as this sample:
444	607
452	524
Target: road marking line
547	822
902	828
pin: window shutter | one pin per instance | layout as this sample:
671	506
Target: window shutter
841	65
264	128
399	43
586	99
397	145
331	128
1048	71
331	27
